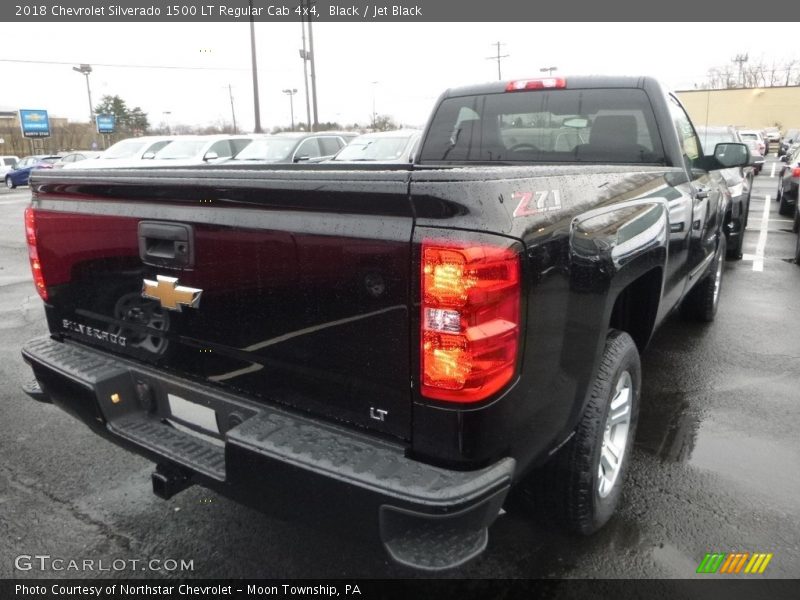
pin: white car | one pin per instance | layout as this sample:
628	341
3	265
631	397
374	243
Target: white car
753	135
187	150
7	163
126	153
384	146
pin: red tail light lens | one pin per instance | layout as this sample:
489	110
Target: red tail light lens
470	320
796	172
33	253
544	83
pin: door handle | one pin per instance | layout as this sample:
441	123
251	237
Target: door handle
169	245
701	194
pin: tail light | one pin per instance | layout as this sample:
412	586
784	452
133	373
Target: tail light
796	172
33	253
543	83
470	320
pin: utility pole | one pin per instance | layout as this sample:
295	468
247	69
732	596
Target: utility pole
233	111
548	70
304	54
374	113
497	58
741	59
309	4
256	108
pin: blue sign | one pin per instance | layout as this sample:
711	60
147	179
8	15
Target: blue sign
34	123
106	123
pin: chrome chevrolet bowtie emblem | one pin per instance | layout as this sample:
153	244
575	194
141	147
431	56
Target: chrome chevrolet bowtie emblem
171	295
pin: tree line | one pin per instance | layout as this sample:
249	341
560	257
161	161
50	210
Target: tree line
743	72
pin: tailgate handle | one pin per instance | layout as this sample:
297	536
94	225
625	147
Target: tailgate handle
168	245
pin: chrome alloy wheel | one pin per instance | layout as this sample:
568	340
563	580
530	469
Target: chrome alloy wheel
615	435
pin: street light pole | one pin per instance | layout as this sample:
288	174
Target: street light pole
291	93
85	70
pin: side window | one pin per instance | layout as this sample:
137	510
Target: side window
222	148
239	145
157	146
309	148
330	145
690	145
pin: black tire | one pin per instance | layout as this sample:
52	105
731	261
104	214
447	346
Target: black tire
747	209
797	250
796	224
568	487
10	184
736	243
702	302
784	208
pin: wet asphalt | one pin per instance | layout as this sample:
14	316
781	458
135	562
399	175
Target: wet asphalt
716	465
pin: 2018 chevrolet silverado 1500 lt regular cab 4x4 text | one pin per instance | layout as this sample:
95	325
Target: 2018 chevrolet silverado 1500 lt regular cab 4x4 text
395	344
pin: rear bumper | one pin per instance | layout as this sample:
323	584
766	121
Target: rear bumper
427	517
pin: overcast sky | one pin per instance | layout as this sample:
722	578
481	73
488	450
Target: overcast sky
411	63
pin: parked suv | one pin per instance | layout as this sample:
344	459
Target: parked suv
788	182
739	181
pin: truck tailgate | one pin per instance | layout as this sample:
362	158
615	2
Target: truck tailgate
291	286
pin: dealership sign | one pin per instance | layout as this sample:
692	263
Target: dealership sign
105	123
34	123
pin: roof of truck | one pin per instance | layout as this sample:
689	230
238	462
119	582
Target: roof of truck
572	82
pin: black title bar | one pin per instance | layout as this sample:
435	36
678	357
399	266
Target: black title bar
376	11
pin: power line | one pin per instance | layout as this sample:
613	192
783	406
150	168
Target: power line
96	64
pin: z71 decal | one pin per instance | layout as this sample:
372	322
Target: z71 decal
535	203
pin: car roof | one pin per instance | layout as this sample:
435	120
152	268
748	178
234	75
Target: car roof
391	134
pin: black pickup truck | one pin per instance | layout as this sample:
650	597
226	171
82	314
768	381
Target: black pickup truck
391	346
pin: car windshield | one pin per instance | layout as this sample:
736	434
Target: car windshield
50	160
182	149
710	139
374	148
561	126
271	149
124	149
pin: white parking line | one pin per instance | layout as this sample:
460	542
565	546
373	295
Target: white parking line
772	173
758	261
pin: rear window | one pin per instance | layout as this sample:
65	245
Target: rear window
563	126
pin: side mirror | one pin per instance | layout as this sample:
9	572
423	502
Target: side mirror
211	156
149	155
784	158
732	155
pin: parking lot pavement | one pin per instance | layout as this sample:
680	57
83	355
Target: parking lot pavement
714	467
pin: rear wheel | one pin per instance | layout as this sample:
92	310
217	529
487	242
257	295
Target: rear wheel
783	207
582	483
736	242
701	303
10	184
796	224
797	250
